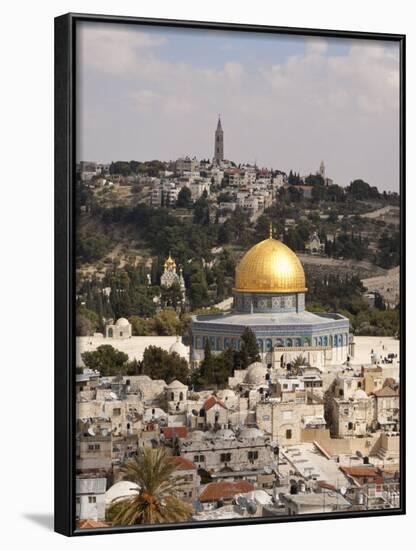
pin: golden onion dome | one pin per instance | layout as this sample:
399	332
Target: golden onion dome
270	266
170	262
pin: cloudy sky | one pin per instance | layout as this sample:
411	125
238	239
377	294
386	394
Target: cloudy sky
285	102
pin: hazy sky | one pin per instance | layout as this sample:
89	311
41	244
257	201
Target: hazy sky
285	102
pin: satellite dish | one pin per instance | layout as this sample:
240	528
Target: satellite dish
343	490
104	432
242	501
251	507
91	431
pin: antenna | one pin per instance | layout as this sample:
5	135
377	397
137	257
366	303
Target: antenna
270	230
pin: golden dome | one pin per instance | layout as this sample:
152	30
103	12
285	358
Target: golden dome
270	266
170	262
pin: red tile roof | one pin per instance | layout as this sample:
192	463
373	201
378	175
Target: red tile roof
387	391
211	401
91	524
178	431
360	471
225	490
326	485
183	463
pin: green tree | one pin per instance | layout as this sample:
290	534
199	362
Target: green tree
140	326
162	365
107	360
157	498
184	198
166	323
249	352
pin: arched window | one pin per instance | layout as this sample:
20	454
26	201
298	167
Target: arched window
289	342
226	343
198	342
320	341
325	340
110	332
269	344
172	396
260	344
280	343
298	342
181	396
218	343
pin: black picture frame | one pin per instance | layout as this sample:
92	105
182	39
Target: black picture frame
65	135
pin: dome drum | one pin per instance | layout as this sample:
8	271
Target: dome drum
260	302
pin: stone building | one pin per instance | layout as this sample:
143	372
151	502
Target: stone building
352	416
387	409
285	420
121	329
314	245
176	397
90	498
219	144
188	478
246	453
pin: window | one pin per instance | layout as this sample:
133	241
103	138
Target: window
94	447
288	434
350	426
253	455
225	457
285	386
121	334
199	458
92	500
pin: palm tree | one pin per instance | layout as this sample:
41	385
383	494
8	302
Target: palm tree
156	500
297	363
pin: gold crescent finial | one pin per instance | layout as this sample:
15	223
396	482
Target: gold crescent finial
270	230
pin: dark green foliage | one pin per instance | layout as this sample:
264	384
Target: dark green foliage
161	365
249	351
184	198
107	360
345	295
389	250
90	249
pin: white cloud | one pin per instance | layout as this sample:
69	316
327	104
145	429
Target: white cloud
316	46
291	114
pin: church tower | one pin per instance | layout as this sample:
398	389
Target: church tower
219	143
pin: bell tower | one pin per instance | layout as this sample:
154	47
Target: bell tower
219	143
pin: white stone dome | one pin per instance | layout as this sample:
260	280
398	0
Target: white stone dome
256	373
226	394
179	348
176	385
122	322
120	490
360	394
251	433
196	435
225	434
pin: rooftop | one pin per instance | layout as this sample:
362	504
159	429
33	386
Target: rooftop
224	490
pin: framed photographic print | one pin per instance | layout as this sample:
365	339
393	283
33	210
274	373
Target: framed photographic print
229	274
